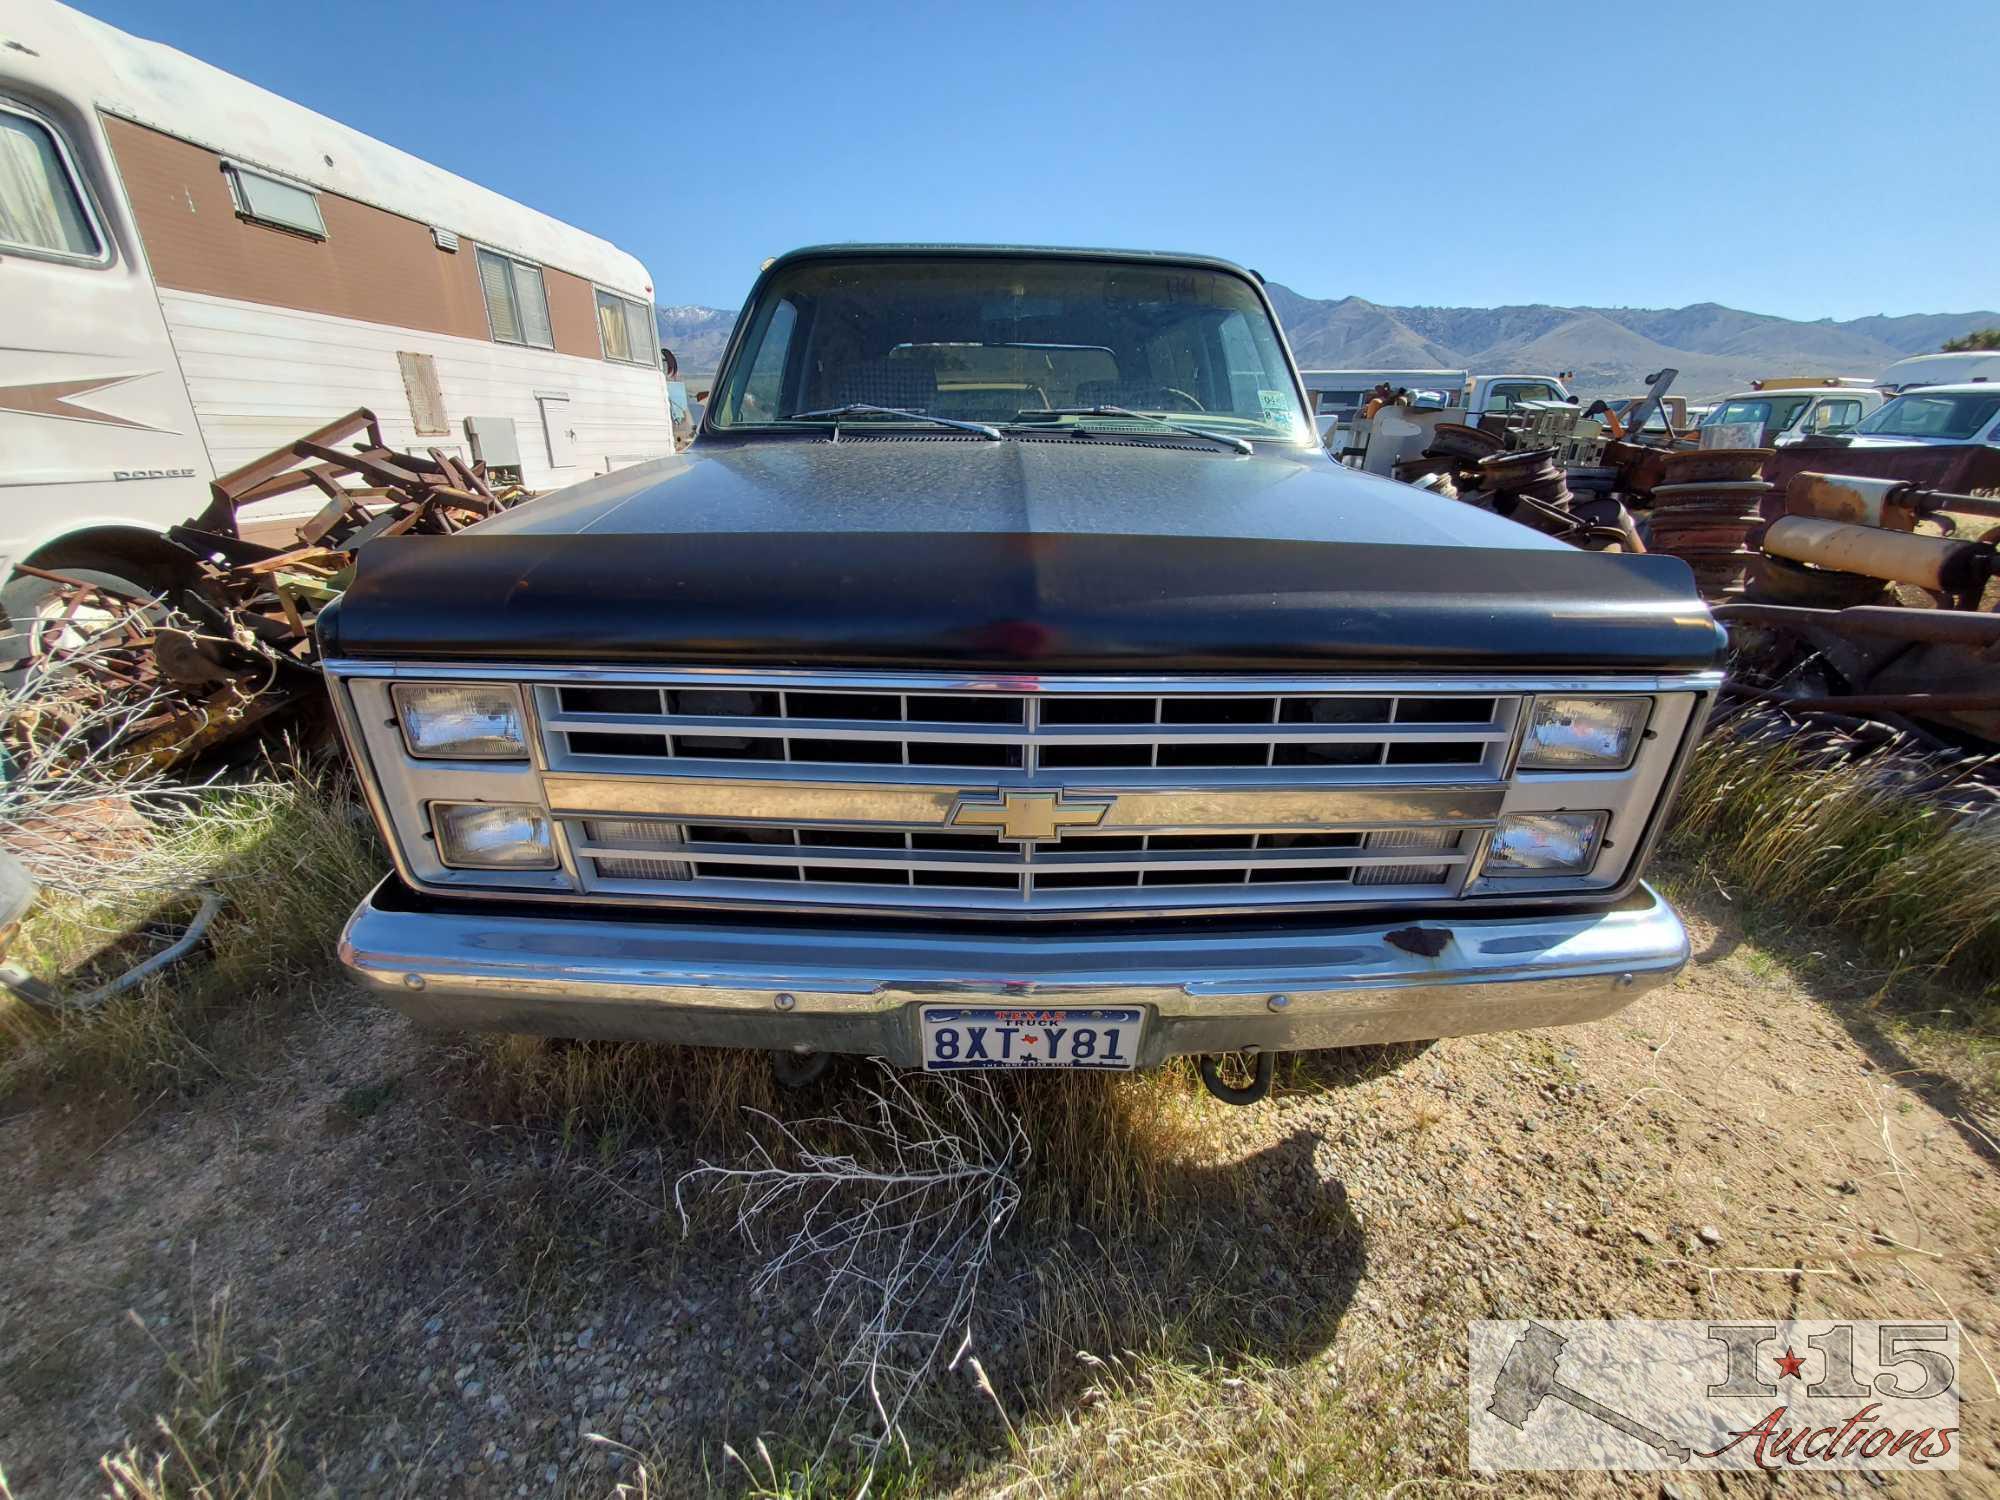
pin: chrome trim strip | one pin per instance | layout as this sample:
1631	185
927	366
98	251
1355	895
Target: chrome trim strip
1342	983
1274	809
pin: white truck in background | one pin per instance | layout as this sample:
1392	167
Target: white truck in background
1376	442
1339	395
1500	394
1779	413
1969	367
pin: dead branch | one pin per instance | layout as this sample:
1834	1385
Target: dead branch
897	1229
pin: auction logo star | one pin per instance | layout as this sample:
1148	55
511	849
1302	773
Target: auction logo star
1789	1364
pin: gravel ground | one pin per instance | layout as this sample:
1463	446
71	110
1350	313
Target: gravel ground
447	1303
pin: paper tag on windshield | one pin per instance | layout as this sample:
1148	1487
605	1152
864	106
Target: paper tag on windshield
1277	406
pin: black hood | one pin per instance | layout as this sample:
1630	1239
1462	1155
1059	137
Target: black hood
953	553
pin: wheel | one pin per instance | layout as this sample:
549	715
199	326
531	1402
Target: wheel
35	624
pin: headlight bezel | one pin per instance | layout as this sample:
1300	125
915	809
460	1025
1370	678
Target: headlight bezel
403	698
1639	709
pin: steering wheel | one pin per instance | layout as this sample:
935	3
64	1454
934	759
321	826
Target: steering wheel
1180	395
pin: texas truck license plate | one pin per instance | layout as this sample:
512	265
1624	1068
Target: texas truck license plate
958	1037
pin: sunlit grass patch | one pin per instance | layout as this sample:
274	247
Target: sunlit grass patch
288	856
224	1435
1843	844
604	1095
1842	852
1199	1428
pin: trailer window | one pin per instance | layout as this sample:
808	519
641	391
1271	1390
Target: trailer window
625	329
271	200
41	209
517	304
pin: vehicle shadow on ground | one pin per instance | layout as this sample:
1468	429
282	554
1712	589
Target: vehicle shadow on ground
1860	998
1957	1105
1235	1246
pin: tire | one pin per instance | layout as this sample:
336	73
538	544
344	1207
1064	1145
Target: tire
23	601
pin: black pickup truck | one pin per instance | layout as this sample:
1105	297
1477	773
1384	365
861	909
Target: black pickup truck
1007	678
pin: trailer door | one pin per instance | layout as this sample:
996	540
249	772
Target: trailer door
556	431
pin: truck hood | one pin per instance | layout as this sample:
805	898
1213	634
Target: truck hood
911	552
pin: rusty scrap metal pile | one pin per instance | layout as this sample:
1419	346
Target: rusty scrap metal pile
1575	504
1825	625
207	661
1849	600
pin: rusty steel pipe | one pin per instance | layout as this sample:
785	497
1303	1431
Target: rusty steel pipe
1940	627
1853	500
1892	504
1939	563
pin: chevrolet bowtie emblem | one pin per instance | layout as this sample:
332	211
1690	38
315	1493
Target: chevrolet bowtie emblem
1021	817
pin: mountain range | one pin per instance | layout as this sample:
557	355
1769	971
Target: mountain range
1611	349
696	335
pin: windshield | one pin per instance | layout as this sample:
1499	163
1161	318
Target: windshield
1933	415
1009	340
1774	414
1507	397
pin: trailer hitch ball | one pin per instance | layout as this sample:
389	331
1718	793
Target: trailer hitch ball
1209	1065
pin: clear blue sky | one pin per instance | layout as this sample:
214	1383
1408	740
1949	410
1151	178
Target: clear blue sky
1826	159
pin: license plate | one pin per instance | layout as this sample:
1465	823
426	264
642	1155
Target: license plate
959	1037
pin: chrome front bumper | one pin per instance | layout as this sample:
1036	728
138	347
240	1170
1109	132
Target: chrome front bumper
843	988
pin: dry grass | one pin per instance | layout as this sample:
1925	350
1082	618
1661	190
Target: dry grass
289	855
1104	1150
1195	1429
224	1436
1823	854
1840	843
602	1095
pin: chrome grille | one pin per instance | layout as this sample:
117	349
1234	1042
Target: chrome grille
678	730
908	867
997	796
763	792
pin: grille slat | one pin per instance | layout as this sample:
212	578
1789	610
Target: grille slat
666	731
662	855
1262	732
1092	745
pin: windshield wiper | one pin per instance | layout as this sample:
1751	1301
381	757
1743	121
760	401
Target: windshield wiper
861	409
1241	445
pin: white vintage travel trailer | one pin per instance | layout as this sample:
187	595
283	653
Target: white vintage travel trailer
194	271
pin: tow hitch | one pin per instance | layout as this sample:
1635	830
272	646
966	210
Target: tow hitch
798	1070
1210	1067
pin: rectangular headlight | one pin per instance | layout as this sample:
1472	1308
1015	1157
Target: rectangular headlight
1584	734
1561	843
461	720
493	836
